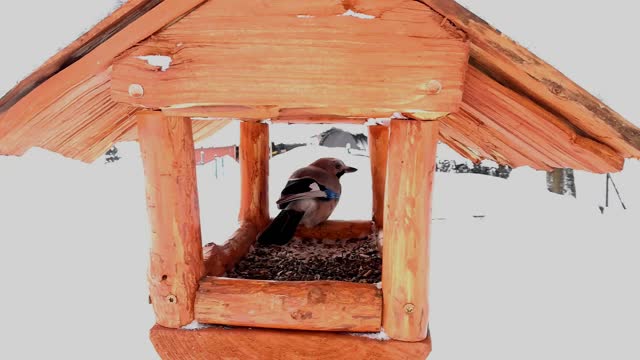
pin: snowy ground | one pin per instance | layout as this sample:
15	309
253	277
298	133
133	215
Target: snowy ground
517	272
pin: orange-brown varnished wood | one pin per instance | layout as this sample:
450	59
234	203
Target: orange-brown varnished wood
300	305
539	133
484	141
176	266
526	73
202	129
319	119
407	223
319	115
218	259
314	61
255	113
336	230
378	147
254	173
245	344
58	100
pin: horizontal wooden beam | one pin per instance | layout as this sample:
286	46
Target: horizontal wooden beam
299	305
243	343
218	259
523	71
337	230
537	133
255	113
237	59
320	120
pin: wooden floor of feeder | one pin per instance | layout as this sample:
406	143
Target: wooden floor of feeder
246	343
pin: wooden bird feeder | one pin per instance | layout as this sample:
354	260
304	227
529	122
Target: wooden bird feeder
168	73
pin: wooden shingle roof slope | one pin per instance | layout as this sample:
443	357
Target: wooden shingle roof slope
515	109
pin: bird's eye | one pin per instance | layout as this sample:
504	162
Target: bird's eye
338	166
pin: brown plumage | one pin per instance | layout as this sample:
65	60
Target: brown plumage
309	198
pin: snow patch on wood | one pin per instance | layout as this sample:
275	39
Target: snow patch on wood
161	61
195	325
380	336
358	15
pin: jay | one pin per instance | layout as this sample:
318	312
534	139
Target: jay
308	198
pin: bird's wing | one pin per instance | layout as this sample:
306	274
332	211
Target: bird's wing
304	188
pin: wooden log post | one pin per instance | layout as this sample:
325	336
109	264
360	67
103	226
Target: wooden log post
176	266
299	305
378	145
405	254
254	174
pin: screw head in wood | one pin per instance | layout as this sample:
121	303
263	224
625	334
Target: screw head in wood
433	87
409	308
136	90
172	299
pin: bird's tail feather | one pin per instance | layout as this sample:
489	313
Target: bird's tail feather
281	230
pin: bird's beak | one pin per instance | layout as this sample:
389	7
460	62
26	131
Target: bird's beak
350	169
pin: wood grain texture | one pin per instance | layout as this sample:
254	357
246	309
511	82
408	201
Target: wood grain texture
378	147
176	266
81	124
485	143
526	73
202	129
299	305
407	223
255	113
255	151
250	344
537	132
318	61
337	230
319	119
27	114
218	259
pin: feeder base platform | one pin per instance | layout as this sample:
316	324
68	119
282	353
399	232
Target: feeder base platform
246	343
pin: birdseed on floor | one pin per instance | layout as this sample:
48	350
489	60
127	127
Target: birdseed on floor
354	260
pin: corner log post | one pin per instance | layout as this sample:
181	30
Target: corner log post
254	199
176	265
407	220
298	305
254	173
378	146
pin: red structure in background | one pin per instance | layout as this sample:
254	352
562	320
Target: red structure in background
205	155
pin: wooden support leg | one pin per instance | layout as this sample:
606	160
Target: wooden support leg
405	255
378	145
166	144
254	173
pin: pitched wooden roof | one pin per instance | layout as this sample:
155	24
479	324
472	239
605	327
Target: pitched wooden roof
515	109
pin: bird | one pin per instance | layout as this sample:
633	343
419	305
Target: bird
309	197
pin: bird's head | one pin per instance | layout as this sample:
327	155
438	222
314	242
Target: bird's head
333	166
